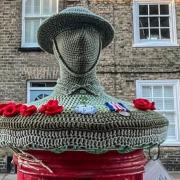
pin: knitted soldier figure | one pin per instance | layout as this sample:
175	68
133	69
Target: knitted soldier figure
89	119
79	117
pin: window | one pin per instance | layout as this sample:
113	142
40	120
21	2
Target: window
33	14
166	95
39	89
154	23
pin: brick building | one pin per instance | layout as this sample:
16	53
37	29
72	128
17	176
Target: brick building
142	61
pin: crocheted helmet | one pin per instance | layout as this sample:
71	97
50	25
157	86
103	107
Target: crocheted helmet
71	18
79	114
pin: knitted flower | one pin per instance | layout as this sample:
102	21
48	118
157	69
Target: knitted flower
27	110
18	106
51	108
10	110
2	106
143	104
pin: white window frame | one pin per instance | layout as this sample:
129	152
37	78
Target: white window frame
29	88
176	84
156	43
23	43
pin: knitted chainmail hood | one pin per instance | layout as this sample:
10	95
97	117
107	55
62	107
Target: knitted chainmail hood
78	51
86	123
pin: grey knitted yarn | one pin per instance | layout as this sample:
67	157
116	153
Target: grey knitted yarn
78	49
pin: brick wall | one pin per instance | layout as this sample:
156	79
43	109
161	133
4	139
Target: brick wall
170	157
2	166
120	66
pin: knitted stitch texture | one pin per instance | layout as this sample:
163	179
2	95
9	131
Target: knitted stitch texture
77	51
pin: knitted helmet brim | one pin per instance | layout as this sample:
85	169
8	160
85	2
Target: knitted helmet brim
54	25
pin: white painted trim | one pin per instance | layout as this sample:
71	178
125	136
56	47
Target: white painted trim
173	23
152	1
178	107
30	45
29	88
176	84
139	83
156	45
23	24
28	91
57	6
171	144
23	44
159	43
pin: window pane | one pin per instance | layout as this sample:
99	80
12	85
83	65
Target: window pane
31	27
165	102
154	22
144	34
143	9
143	22
46	7
154	34
39	94
146	91
157	91
37	84
42	84
28	7
36	7
165	33
36	24
168	91
153	9
171	130
158	103
164	21
169	104
28	29
50	84
164	9
54	6
170	117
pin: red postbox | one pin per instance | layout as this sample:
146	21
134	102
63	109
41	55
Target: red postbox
81	166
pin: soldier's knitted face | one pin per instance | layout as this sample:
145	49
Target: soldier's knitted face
78	49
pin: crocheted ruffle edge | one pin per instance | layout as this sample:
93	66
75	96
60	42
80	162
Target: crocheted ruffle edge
72	140
99	132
